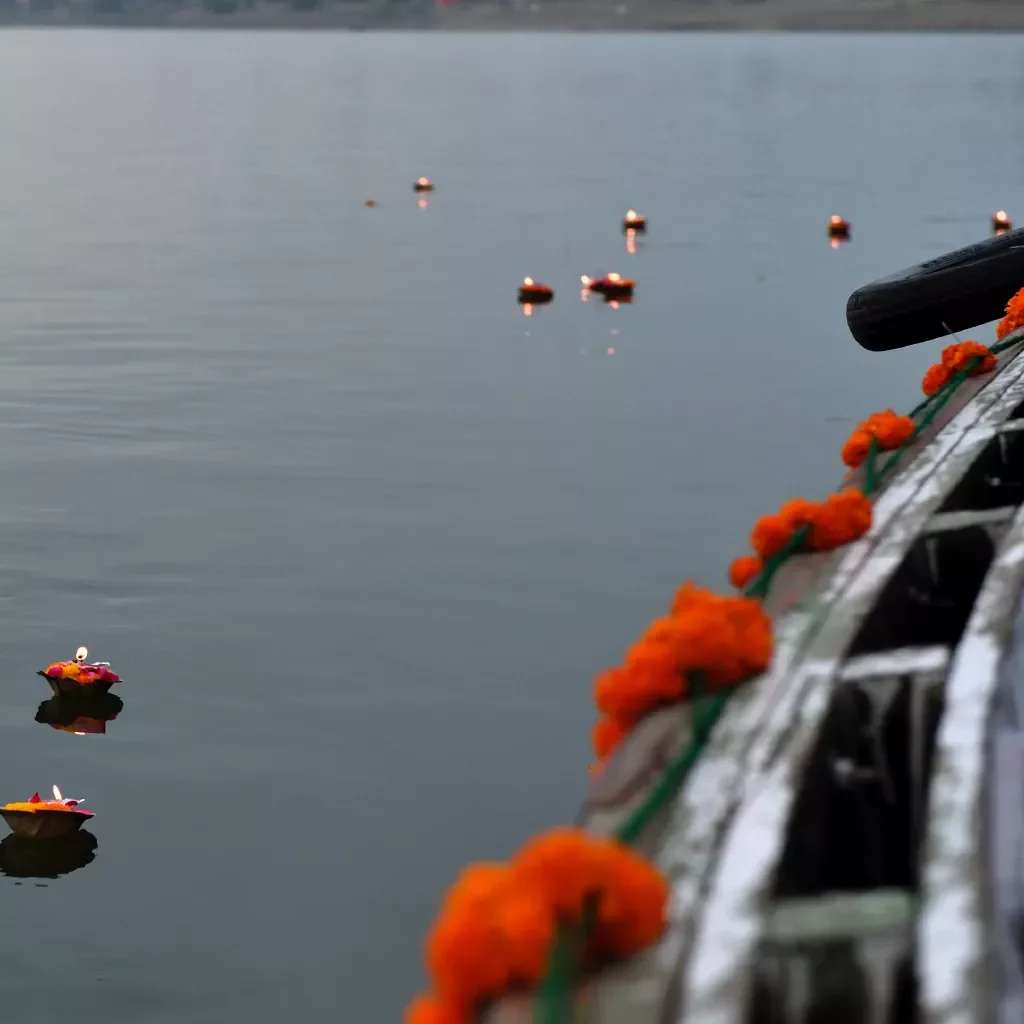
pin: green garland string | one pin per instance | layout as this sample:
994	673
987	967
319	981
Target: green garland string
554	1003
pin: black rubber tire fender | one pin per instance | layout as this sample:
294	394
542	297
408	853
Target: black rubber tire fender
955	292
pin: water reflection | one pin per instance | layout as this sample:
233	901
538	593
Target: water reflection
46	858
631	241
79	716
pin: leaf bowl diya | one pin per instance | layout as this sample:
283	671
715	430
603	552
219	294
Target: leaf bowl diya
611	286
36	818
80	715
535	293
79	678
634	222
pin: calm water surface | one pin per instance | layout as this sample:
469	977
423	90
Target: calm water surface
356	531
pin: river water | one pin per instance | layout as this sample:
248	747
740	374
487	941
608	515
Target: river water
355	530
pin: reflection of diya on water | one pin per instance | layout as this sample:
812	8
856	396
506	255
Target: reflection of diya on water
79	678
22	857
80	715
36	818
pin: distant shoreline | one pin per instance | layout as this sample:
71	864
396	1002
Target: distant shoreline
563	16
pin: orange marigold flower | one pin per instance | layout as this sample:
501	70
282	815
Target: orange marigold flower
573	870
841	518
798	512
607	735
559	865
856	449
886	429
937	377
1014	316
492	933
959	357
723	639
631	913
889	429
770	535
428	1009
744	570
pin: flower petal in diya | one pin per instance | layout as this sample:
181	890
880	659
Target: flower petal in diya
45	819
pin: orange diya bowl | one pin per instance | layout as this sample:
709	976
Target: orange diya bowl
531	291
45	819
1001	222
79	678
838	227
634	222
611	286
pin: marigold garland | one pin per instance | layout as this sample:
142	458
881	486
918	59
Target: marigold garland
1014	316
965	356
838	520
744	570
428	1009
886	429
498	921
723	640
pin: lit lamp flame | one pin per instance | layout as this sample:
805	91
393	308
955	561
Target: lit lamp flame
422	181
614	277
56	794
631	215
81	654
527	281
584	279
836	220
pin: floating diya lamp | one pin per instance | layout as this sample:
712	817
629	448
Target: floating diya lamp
45	819
533	292
80	678
423	185
634	222
1001	222
838	227
78	715
370	202
611	286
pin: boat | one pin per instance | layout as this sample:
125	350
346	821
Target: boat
845	843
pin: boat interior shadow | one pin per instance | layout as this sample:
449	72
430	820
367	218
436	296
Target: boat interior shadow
78	715
21	857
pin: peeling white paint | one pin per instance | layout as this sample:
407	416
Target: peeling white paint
903	662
